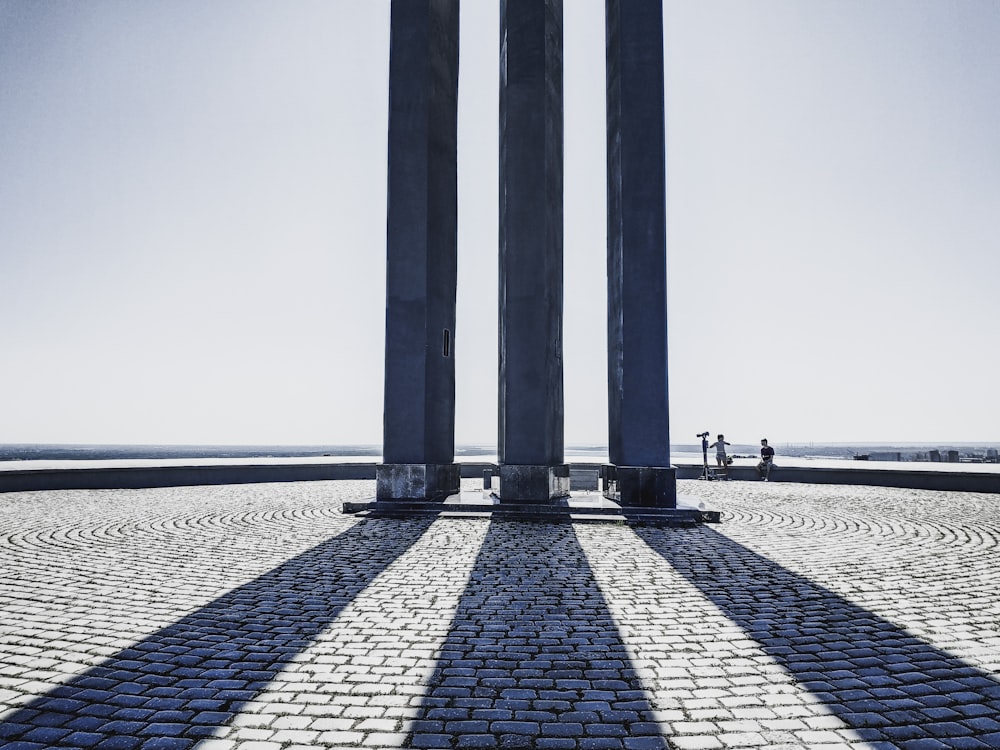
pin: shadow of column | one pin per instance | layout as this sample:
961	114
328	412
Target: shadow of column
880	680
182	682
533	657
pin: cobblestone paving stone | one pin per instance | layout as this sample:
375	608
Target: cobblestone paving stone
258	617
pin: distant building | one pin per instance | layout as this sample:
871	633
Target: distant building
885	456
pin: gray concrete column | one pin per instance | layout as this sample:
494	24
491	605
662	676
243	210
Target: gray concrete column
639	434
530	445
421	253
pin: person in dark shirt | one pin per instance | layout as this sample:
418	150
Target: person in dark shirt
766	459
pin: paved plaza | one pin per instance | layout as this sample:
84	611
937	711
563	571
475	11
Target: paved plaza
259	617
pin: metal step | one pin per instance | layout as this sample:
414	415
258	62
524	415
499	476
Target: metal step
588	511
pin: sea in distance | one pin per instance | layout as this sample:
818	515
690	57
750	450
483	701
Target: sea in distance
966	452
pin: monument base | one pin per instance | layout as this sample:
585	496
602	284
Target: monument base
641	486
416	481
532	483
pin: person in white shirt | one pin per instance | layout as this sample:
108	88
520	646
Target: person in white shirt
720	450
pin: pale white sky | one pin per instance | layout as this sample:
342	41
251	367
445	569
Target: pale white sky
192	220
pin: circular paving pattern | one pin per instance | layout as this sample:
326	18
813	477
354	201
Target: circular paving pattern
259	617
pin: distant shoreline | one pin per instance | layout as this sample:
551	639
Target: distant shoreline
91	452
78	451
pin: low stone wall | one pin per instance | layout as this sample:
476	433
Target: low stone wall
917	479
137	475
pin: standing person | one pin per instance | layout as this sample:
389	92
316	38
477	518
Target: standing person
720	450
766	460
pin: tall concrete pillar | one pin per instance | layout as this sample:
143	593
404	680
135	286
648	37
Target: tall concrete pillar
639	434
530	444
421	253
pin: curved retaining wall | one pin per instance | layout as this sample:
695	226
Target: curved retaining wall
917	479
136	475
93	475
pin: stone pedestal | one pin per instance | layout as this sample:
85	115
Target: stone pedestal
639	434
641	486
530	444
533	484
416	481
421	252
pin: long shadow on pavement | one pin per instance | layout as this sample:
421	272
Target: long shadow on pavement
177	685
880	680
533	657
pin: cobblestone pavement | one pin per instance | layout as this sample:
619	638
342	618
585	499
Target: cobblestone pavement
258	617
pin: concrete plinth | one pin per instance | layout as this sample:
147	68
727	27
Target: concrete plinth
641	486
416	481
533	483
